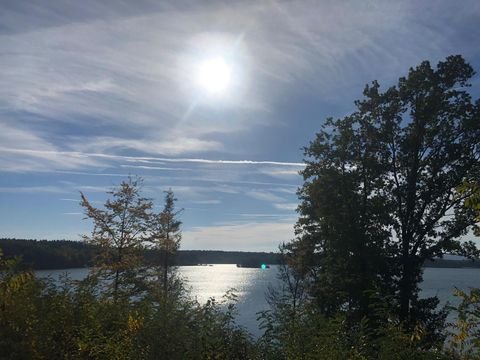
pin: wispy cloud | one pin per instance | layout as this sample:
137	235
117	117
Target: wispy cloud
38	153
71	68
264	196
177	146
76	157
141	85
288	190
84	173
252	236
288	206
94	90
281	172
79	200
33	189
255	215
207	202
213	161
94	188
144	84
145	167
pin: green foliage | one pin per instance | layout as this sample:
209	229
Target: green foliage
48	320
201	332
471	189
379	185
118	235
15	288
296	328
464	339
307	334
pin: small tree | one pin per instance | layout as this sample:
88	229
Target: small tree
166	236
118	233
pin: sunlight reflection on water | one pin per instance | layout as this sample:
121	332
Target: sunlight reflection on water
252	284
215	281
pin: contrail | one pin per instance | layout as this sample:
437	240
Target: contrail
78	154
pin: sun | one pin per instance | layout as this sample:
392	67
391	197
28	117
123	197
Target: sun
214	75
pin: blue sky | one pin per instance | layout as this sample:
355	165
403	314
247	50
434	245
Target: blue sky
94	91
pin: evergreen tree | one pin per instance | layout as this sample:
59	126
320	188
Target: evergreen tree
165	235
118	233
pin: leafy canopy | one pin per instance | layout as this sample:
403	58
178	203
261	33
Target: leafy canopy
381	190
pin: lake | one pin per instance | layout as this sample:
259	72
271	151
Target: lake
252	284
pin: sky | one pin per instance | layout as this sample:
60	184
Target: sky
94	91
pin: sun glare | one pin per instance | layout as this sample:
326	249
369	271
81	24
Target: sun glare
214	76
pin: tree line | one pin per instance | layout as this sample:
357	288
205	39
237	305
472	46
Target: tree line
67	254
386	188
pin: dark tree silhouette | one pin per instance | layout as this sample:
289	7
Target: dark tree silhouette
382	188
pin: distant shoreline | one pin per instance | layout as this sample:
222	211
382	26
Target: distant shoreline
65	254
68	254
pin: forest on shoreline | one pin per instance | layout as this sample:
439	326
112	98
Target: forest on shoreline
67	254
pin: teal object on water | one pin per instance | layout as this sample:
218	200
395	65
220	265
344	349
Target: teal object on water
264	266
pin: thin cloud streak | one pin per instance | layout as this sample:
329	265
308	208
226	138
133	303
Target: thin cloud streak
83	155
90	173
288	206
207	202
264	196
144	167
223	162
266	215
33	189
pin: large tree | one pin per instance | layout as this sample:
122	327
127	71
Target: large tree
119	231
381	188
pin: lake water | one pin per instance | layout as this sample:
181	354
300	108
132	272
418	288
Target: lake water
251	285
